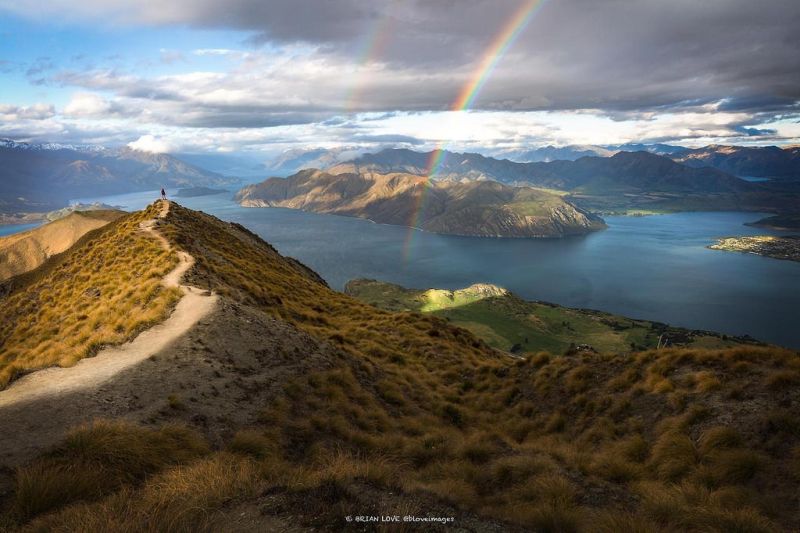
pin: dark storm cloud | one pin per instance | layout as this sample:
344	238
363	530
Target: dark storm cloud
227	118
754	132
617	56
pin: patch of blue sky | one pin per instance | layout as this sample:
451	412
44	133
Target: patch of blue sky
31	52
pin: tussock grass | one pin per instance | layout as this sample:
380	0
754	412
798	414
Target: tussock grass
184	498
689	507
549	443
98	459
103	291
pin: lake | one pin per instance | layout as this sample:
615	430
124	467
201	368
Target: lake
8	229
655	267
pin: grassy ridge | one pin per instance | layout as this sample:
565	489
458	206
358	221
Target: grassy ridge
103	291
677	439
509	323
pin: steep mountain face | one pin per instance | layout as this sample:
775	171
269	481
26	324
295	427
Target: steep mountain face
763	161
624	171
478	208
44	177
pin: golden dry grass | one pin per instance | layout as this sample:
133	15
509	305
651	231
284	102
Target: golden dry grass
672	439
183	498
104	291
98	459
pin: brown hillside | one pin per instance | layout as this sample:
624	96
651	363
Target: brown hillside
299	406
25	251
478	208
102	291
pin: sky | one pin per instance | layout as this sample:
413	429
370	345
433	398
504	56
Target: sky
264	76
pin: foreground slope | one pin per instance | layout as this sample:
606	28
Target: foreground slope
298	406
194	305
104	290
25	251
482	208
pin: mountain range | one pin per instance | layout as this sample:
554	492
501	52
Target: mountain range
622	172
46	176
741	161
474	208
659	177
745	161
571	152
626	182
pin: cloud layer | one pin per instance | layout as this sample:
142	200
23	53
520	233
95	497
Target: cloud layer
672	70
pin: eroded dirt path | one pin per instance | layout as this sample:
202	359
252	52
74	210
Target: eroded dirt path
88	373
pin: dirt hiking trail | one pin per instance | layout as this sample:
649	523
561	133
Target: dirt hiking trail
90	372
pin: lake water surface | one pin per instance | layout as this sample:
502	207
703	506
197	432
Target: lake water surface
655	268
8	229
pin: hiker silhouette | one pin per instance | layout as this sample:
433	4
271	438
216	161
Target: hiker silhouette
163	194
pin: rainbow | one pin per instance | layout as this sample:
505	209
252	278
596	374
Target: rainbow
502	42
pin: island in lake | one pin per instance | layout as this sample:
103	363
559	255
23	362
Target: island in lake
785	247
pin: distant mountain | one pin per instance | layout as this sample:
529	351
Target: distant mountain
487	209
453	166
555	153
633	172
746	161
45	177
743	161
239	165
658	148
292	161
624	171
49	147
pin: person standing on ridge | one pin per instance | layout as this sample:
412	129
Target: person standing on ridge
163	194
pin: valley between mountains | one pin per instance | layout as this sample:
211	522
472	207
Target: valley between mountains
289	406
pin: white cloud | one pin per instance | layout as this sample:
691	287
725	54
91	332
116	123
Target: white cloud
87	105
39	111
218	52
151	144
